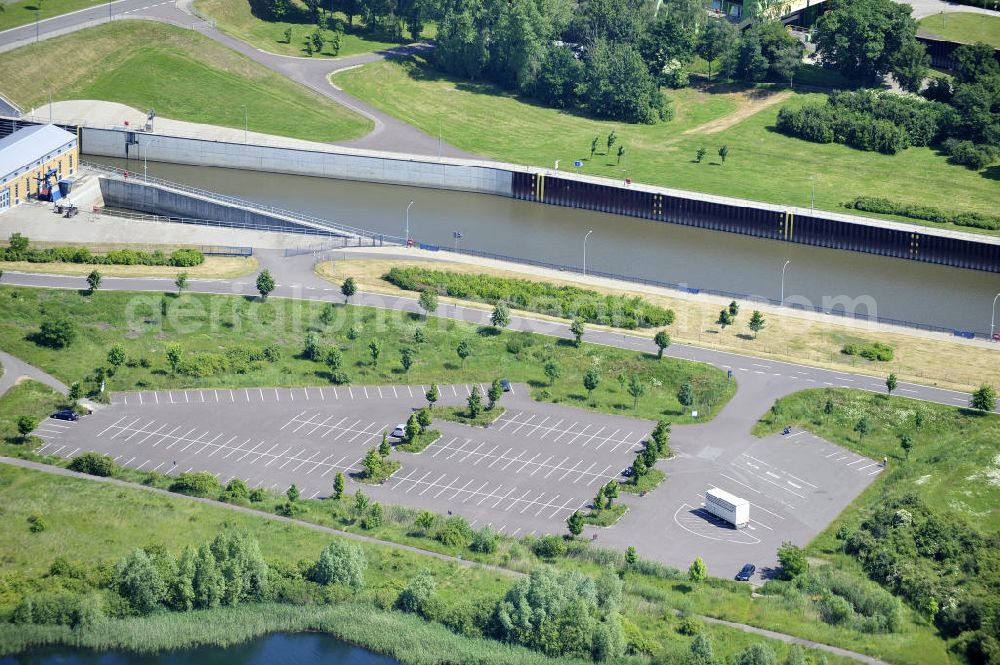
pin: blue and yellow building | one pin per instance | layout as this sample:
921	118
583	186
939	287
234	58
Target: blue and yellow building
32	162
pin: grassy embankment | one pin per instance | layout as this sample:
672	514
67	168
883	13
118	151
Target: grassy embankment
952	470
651	589
180	73
761	164
965	27
235	18
214	267
787	337
204	324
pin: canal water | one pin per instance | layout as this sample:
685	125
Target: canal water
890	288
274	649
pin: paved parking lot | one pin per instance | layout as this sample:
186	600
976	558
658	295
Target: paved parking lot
525	473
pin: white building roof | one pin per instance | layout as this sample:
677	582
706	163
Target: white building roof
28	145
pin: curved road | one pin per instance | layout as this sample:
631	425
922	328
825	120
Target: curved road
388	134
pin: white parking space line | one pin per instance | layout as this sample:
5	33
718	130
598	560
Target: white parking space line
740	483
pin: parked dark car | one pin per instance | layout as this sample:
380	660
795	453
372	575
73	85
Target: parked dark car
505	384
627	472
746	573
65	414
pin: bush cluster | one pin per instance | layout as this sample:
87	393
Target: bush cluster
119	257
867	120
240	359
927	213
569	302
871	351
94	464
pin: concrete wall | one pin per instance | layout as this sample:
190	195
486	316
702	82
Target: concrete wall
344	165
156	201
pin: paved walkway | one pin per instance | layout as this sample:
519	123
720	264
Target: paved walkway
16	369
59	471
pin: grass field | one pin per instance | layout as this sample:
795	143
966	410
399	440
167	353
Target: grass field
761	164
965	27
22	12
234	18
917	358
207	324
183	75
27	398
214	267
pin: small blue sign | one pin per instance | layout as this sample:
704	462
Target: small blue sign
578	163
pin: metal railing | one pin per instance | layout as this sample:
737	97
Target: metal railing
232	200
684	288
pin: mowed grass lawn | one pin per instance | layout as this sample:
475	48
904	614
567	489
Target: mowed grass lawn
211	324
234	18
761	163
966	27
180	73
22	12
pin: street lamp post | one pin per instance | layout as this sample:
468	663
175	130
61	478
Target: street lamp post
585	250
993	316
246	123
783	282
407	238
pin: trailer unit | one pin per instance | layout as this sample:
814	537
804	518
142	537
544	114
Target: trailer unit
730	508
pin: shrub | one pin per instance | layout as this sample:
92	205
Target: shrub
548	547
94	464
485	541
199	483
887	207
455	532
970	155
56	332
185	258
417	595
341	563
871	351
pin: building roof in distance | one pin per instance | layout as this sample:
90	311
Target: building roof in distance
28	144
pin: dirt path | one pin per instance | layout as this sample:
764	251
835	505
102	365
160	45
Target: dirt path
750	103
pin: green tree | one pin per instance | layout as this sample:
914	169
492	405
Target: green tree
348	289
494	394
343	563
475	403
56	331
861	38
593	146
500	318
139	582
685	395
18	243
75	392
756	323
464	350
662	341
890	384
384	449
552	371
181	281
94	280
334	360
621	153
413	428
723	153
828	407
787	63
612	138
600	501
288	35
208	583
793	560
862	427
293	493
425	520
701	650
909	65
725	318
918	419
577	329
734	309
575	524
374	349
338	486
631	556
428	301
718	38
906	443
591	379
984	398
311	347
117	356
418	594
317	41
636	390
372	464
25	426
406	358
432	395
361	503
610	491
328	314
700	155
265	283
698	572
757	653
374	518
174	357
796	656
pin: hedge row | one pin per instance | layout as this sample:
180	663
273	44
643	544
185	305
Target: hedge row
569	302
121	257
867	120
888	207
871	351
